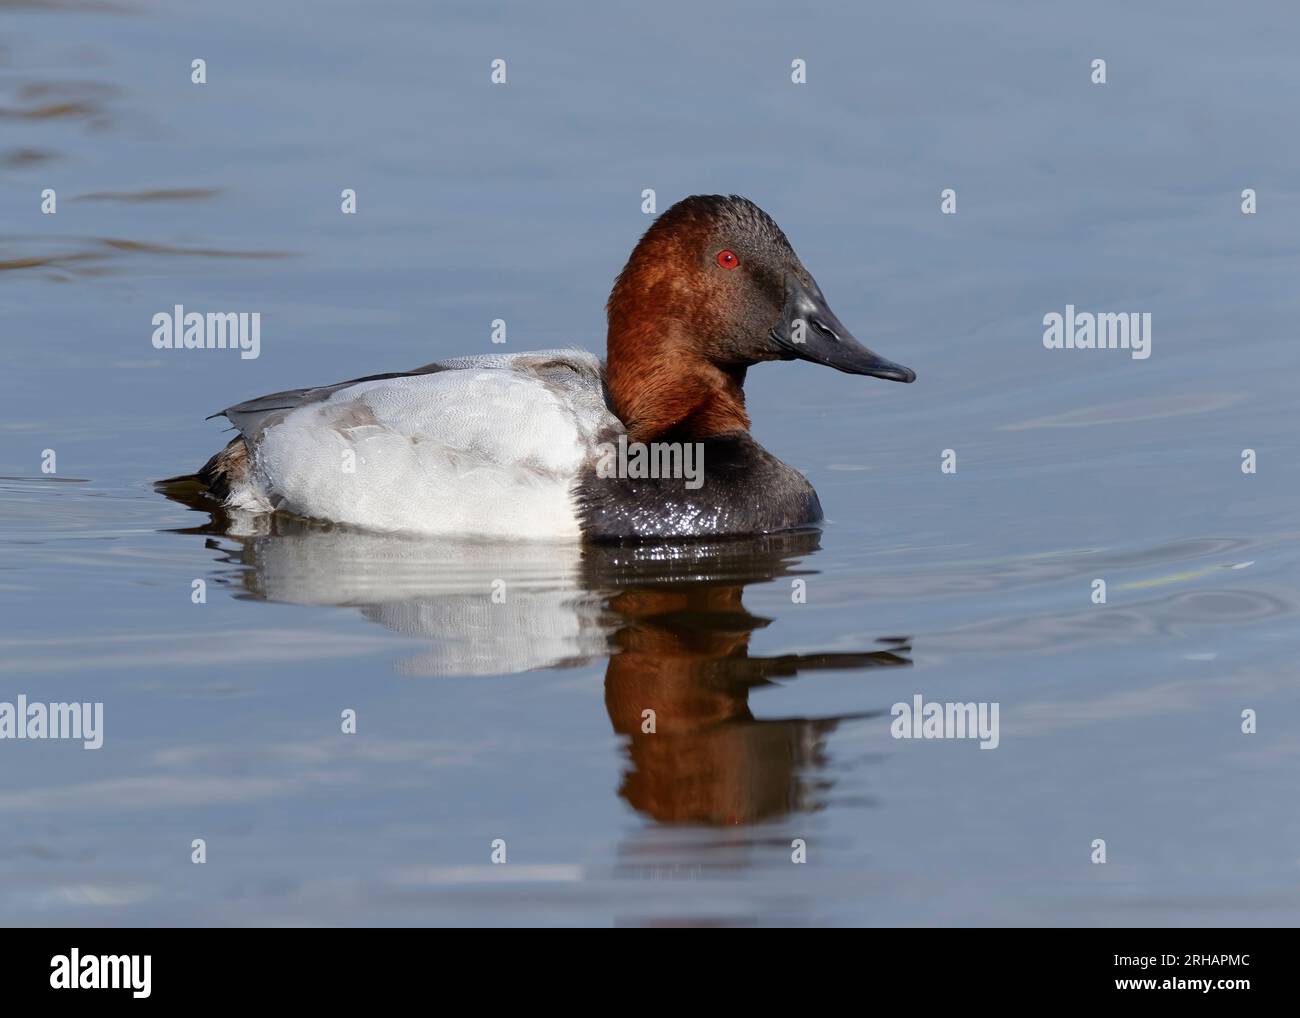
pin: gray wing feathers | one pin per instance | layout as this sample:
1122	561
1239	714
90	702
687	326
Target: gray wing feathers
254	415
578	372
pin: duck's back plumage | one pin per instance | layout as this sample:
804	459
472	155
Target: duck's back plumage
489	445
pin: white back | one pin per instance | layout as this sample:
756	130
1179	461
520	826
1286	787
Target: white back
487	446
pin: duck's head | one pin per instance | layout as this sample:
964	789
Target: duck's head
711	288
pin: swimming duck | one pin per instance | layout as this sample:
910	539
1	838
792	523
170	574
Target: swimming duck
516	445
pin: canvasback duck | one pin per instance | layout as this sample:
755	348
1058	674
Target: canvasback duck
519	445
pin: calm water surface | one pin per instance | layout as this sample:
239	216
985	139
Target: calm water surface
522	721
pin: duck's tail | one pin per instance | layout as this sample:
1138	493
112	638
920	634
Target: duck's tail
213	480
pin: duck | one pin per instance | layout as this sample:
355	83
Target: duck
516	445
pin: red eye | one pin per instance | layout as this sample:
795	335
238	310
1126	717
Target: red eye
728	260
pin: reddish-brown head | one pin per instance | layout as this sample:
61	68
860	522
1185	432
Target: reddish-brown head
713	287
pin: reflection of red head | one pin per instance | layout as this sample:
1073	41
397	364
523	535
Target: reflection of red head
684	655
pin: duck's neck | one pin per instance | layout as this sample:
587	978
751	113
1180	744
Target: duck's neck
660	385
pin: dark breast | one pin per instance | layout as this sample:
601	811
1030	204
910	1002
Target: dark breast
744	490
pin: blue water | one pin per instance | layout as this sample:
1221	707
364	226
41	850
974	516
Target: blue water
520	721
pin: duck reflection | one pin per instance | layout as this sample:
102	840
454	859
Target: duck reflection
670	618
677	686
